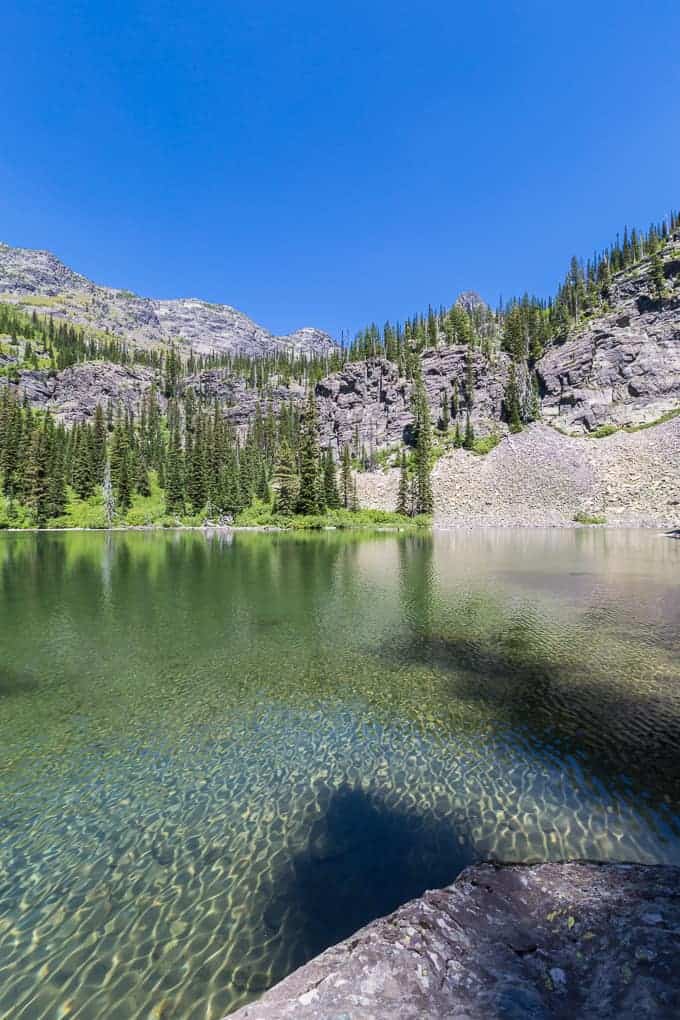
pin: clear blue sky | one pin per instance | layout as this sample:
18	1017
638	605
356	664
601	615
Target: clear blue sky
332	163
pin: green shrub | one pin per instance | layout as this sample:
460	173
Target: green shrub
485	444
602	431
583	518
82	513
261	515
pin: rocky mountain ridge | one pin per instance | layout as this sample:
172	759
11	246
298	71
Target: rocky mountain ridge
621	367
38	280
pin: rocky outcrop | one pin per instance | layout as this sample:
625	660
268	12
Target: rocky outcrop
546	942
41	281
541	477
624	367
368	403
239	402
73	394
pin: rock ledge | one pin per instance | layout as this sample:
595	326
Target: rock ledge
505	941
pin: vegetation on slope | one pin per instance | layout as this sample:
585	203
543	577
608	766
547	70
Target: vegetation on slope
182	462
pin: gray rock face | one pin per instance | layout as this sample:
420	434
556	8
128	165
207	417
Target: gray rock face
239	402
545	942
542	478
73	394
370	400
25	271
624	368
42	280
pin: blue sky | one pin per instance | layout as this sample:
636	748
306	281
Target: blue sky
331	164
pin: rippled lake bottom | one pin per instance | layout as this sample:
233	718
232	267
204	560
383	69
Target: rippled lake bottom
221	754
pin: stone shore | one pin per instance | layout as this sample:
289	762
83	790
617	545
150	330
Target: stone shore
512	942
541	477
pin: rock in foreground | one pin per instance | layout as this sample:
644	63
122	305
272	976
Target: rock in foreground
509	941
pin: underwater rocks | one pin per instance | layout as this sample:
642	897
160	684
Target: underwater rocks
514	941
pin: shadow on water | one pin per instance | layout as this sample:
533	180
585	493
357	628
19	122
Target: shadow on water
14	683
576	705
362	859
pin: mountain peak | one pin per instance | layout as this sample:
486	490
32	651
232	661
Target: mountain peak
40	279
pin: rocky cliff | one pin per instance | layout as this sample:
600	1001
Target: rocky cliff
622	367
39	281
547	942
371	401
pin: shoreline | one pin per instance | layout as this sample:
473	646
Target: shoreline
664	527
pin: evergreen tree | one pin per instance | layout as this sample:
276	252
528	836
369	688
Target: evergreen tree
37	482
346	477
174	475
511	401
108	495
308	501
84	474
658	278
330	482
354	501
99	445
142	483
469	440
445	416
285	480
403	494
423	451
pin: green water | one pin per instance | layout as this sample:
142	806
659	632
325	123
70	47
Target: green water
220	755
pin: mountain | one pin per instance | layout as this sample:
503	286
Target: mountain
38	280
565	409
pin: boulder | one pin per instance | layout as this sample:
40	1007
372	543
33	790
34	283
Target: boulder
518	942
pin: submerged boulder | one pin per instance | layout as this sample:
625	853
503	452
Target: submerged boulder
509	941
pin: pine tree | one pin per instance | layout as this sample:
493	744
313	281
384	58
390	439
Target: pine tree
262	484
330	482
511	401
57	475
469	440
174	475
196	488
346	477
444	417
124	488
84	473
423	451
99	445
308	501
354	501
37	483
404	493
285	480
231	494
658	278
142	483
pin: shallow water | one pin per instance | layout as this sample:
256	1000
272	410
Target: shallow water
220	755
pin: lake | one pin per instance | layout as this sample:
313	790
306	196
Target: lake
220	753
